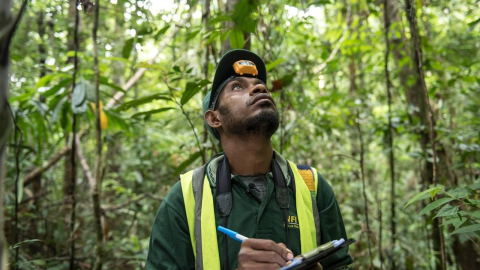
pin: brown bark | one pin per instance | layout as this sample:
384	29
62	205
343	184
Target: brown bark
7	30
390	133
415	99
97	191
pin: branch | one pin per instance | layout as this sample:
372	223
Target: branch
39	170
122	205
84	164
337	47
52	161
134	79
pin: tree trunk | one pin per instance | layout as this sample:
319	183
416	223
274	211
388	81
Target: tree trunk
415	95
388	84
71	28
97	190
5	126
7	30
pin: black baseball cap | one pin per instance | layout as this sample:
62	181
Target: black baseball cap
225	72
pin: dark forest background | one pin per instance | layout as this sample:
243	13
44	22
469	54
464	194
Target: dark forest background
381	96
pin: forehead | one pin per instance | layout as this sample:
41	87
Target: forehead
246	81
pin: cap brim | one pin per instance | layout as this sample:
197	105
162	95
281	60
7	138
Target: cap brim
225	67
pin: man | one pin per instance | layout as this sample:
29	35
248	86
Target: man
284	209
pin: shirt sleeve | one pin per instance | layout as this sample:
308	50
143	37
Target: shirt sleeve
331	224
170	245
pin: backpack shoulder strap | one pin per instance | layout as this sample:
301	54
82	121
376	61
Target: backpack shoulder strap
310	177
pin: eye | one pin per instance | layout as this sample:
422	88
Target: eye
236	86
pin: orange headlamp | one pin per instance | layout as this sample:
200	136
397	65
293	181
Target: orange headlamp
245	67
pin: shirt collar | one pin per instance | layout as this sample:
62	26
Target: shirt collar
212	166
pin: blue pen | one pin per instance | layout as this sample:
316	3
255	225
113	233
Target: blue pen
232	234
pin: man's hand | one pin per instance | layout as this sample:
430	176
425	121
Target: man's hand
263	254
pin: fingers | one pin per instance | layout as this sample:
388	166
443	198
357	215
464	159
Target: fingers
263	254
269	245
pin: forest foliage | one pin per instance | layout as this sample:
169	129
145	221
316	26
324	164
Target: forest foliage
381	96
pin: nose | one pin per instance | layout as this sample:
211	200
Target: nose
257	89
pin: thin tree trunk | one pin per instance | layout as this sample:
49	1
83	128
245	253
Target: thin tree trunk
206	55
390	133
7	30
72	166
98	154
72	11
362	170
415	97
427	110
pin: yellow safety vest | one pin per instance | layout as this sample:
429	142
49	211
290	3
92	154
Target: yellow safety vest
201	215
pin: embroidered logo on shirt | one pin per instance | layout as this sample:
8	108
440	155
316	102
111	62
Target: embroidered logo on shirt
293	222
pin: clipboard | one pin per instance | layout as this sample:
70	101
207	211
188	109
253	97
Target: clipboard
317	255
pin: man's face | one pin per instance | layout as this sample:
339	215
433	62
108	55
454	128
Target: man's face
245	108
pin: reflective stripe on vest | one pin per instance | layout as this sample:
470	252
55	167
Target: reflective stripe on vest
206	252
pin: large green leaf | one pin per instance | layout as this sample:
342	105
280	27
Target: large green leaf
79	93
127	48
187	162
147	113
47	78
56	88
161	31
447	210
191	89
236	39
243	15
57	110
467	229
434	205
142	100
272	65
420	196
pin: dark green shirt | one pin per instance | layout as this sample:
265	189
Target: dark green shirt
171	248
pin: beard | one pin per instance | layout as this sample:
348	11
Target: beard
265	123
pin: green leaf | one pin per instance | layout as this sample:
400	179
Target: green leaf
55	89
274	64
236	39
434	205
244	15
419	196
58	109
218	19
24	242
106	82
79	95
138	177
161	31
225	35
79	109
193	34
48	78
473	24
187	162
433	193
467	229
447	210
127	48
142	100
191	89
146	113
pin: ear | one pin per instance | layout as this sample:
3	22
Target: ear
211	117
